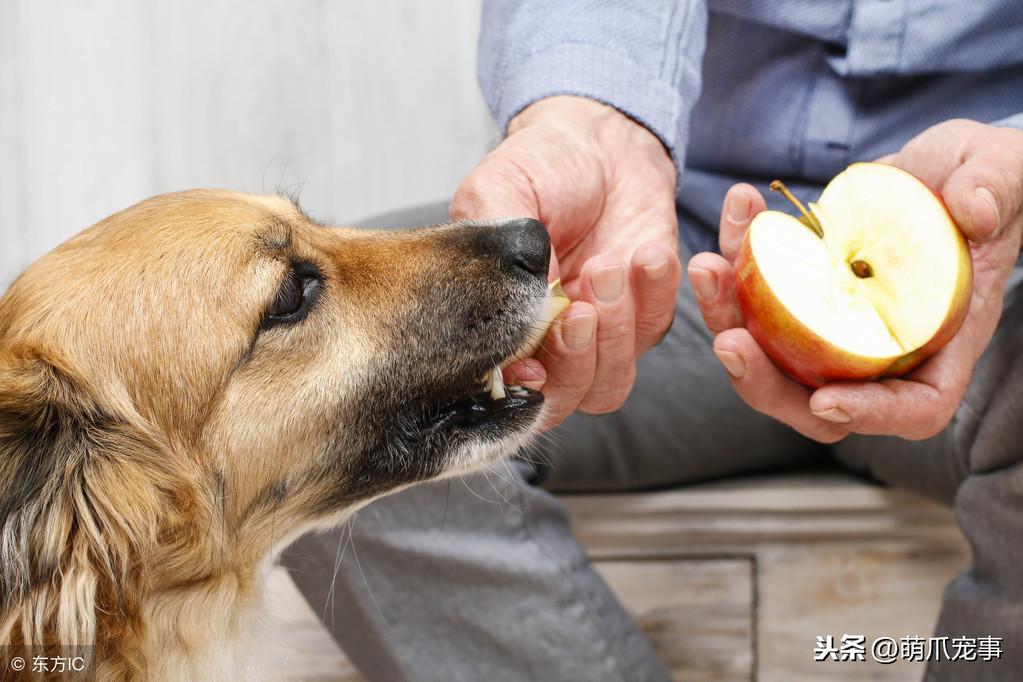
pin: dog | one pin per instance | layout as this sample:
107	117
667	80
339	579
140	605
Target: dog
193	382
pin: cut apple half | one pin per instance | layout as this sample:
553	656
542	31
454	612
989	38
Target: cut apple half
873	278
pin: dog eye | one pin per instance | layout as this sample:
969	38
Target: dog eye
289	299
295	297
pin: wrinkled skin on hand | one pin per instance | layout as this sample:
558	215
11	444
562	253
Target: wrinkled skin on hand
977	170
605	188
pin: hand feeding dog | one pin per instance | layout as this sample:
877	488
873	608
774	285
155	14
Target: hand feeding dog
192	383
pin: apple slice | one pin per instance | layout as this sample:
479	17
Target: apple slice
555	303
871	280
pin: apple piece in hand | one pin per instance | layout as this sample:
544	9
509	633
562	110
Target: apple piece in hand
866	284
553	305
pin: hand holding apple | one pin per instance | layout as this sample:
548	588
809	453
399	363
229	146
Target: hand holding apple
978	172
605	188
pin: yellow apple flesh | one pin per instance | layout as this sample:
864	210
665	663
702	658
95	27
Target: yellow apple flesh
555	303
886	284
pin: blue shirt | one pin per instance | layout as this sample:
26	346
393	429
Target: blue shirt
751	90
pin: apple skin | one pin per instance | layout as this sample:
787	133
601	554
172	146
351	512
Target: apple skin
794	347
808	358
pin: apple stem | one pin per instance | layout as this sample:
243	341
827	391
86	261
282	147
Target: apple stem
812	221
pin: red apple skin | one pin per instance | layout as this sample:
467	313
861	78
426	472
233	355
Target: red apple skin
794	347
813	361
810	359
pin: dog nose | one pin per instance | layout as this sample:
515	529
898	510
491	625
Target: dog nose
526	245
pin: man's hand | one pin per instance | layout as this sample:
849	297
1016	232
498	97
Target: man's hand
604	186
978	172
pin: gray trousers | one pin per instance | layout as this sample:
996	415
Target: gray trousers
481	579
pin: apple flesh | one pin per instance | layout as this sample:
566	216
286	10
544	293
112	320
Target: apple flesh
555	303
873	279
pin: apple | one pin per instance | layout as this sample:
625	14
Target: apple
555	303
870	281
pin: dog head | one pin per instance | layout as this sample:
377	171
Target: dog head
196	380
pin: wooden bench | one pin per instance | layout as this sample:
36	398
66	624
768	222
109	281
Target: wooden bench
735	580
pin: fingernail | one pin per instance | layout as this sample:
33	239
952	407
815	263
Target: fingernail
532	385
656	272
705	283
577	332
836	415
733	362
985	195
609	282
738	211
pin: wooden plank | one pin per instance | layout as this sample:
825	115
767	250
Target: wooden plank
698	614
13	146
833	556
407	118
811	590
728	578
364	107
78	106
301	647
739	516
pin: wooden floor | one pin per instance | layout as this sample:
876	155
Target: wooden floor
735	581
303	649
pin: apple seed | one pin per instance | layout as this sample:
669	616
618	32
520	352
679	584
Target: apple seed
861	269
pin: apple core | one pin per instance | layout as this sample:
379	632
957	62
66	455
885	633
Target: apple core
869	281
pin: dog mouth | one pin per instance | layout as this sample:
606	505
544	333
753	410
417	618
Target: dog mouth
479	408
487	403
490	401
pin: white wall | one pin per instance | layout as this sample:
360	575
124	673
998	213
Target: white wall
365	105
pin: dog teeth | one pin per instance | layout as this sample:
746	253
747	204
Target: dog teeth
497	391
493	382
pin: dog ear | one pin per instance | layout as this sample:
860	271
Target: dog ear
75	503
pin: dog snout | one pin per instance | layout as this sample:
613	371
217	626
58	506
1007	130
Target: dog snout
528	246
521	246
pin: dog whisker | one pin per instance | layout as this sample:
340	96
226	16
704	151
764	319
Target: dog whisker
502	499
447	500
369	589
271	376
344	539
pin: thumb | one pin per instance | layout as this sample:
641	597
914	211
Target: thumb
496	188
985	193
741	204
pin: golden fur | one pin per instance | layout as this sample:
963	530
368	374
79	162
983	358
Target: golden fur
162	438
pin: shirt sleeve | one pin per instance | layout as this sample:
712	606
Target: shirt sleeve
1011	122
642	57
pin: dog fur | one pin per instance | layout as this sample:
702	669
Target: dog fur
164	433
